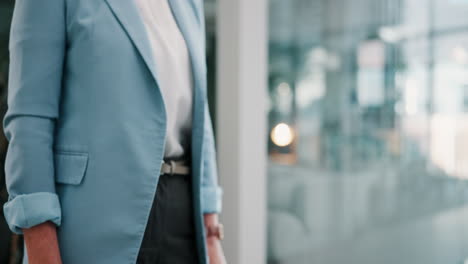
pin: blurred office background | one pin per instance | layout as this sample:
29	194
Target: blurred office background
369	146
366	137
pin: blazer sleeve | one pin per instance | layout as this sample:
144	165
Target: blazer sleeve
37	48
211	192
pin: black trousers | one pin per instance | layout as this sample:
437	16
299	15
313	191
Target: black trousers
170	232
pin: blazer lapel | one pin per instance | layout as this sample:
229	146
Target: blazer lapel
194	39
128	15
185	17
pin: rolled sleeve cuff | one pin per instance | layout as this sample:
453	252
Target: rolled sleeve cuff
211	199
27	210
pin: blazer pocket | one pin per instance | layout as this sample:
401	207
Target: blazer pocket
70	167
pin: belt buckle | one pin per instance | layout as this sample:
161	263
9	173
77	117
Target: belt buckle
172	165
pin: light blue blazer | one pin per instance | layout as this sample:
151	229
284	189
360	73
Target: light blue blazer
86	125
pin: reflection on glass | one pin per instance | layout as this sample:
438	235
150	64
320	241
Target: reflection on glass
282	135
375	96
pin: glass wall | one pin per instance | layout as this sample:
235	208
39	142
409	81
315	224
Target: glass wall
368	142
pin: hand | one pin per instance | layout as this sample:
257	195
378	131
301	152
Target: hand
213	244
215	251
42	244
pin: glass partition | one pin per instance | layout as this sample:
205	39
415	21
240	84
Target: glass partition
368	142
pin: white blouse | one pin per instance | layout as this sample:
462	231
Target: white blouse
174	72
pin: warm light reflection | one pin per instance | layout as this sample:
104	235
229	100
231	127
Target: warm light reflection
282	135
460	55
